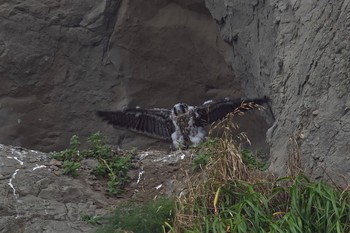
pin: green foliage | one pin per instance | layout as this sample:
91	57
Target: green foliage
71	157
94	220
231	193
140	218
71	154
286	205
251	161
204	152
111	165
71	168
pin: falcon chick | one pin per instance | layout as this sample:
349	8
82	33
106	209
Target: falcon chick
183	124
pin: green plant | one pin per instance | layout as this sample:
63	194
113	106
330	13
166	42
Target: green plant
203	152
140	218
228	194
71	154
71	157
91	219
290	204
112	165
71	168
251	161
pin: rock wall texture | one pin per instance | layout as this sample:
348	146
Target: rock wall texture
36	197
298	51
60	61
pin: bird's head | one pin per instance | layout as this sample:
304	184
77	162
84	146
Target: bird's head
180	109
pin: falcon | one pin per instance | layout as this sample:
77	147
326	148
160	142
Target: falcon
184	125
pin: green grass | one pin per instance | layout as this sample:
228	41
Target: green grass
112	165
229	191
140	218
93	220
232	192
286	205
203	152
252	162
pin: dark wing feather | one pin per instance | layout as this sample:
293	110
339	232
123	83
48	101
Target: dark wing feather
151	122
217	110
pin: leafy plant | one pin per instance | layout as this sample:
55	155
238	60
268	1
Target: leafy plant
251	161
204	151
72	153
140	218
228	194
291	204
112	165
71	157
91	219
71	168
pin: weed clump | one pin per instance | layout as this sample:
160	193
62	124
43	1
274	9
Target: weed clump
140	218
232	192
110	164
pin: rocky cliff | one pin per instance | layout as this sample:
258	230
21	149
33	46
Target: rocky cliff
61	60
35	196
297	51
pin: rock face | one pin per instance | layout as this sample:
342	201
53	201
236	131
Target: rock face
36	197
297	51
59	62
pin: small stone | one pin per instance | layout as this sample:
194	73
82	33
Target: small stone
55	162
316	112
54	168
33	160
57	173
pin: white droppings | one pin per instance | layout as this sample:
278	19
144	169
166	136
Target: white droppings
140	175
15	158
14	190
208	102
159	186
10	182
20	162
182	156
144	155
37	167
165	158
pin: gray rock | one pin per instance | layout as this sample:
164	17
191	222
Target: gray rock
33	199
62	61
296	51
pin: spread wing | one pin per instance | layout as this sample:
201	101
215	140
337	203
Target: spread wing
212	111
152	122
